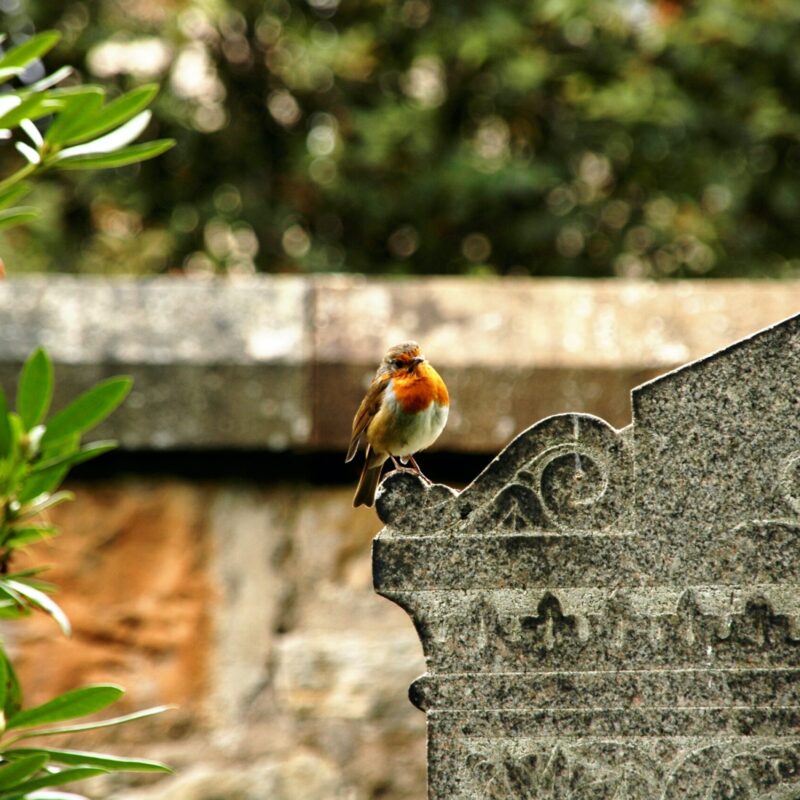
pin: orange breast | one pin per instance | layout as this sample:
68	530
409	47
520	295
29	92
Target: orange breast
417	391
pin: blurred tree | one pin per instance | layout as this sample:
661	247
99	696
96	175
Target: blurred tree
648	138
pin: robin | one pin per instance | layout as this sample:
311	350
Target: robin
404	411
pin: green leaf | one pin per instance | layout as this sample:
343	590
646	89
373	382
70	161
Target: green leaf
90	726
77	106
43	483
80	758
109	143
17	216
76	703
9	72
89	409
10	610
21	769
116	113
13	194
13	691
4	686
76	457
50	80
43	601
35	389
6	435
47	481
8	102
33	106
43	503
53	779
30	50
119	158
20	537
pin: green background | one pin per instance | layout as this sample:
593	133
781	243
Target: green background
639	139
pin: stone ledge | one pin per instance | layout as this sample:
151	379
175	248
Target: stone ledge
281	362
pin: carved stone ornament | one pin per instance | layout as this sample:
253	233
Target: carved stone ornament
614	614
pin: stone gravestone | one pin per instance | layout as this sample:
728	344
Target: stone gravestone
613	614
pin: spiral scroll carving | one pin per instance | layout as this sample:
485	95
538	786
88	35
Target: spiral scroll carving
569	472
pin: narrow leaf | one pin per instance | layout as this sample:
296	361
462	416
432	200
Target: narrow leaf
9	72
128	155
4	685
79	758
24	536
111	142
44	602
78	105
13	690
21	769
30	50
17	177
35	388
10	610
77	703
32	107
53	779
6	436
43	503
90	726
17	216
8	103
47	481
89	409
13	194
78	457
30	154
42	483
50	80
32	132
117	113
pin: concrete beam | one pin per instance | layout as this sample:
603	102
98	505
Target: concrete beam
281	362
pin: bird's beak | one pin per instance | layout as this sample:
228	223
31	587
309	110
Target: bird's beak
417	360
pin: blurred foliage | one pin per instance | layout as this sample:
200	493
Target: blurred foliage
620	137
37	450
83	131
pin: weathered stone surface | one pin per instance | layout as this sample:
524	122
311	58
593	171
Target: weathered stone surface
281	362
251	609
214	364
131	568
513	351
616	613
301	777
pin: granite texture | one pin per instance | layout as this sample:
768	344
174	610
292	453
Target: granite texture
611	614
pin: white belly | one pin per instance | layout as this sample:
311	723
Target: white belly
413	432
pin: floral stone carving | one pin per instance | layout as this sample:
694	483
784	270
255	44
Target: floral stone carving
616	614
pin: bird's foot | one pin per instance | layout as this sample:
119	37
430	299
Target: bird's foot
415	468
412	467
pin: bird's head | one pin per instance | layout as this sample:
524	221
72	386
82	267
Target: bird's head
405	357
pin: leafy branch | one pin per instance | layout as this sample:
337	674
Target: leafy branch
36	453
85	131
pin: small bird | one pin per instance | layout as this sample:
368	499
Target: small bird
404	411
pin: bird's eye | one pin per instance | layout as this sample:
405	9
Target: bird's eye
397	364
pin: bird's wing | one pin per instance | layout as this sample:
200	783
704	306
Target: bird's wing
366	411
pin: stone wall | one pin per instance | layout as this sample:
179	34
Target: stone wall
249	607
247	601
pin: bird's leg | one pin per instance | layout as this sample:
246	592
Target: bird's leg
399	467
413	466
419	472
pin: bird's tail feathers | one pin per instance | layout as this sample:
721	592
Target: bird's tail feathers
368	482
